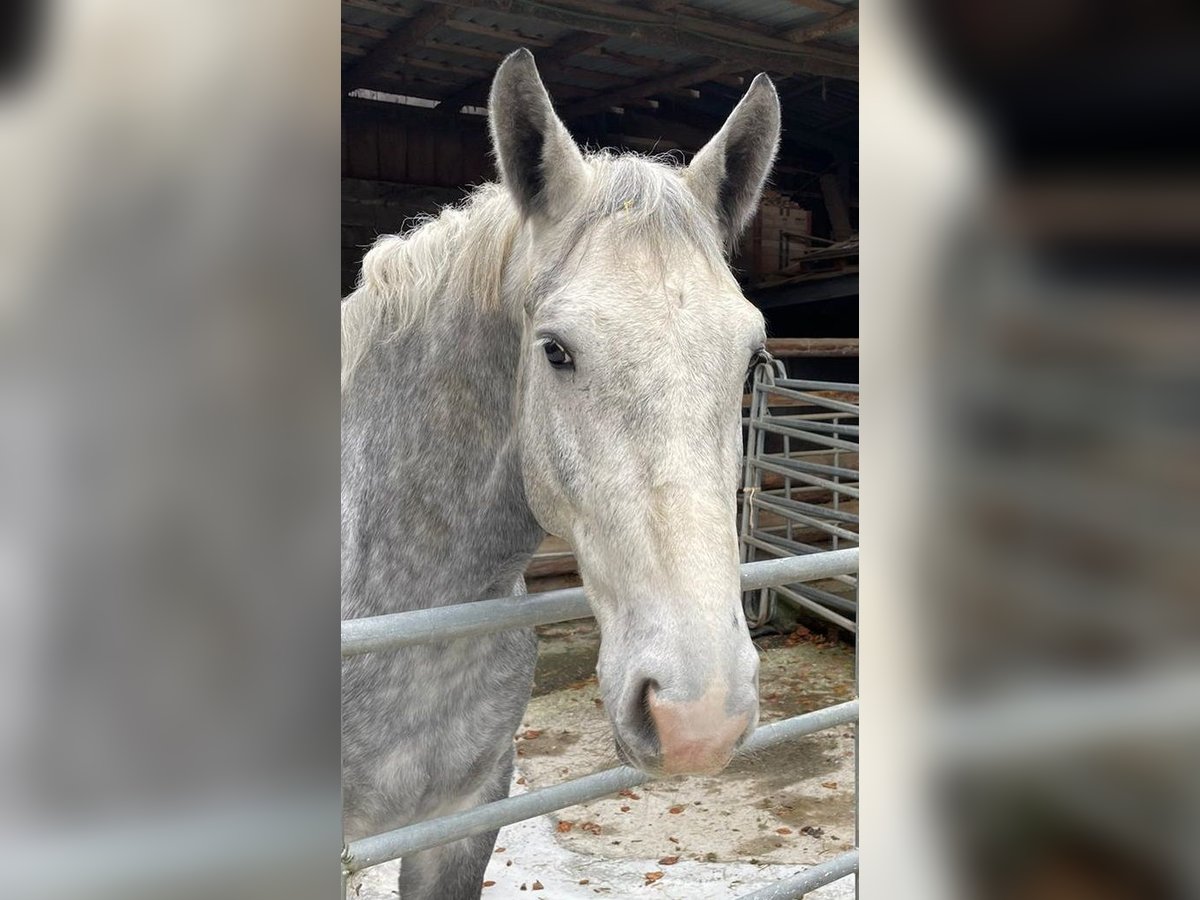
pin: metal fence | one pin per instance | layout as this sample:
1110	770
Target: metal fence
384	633
800	488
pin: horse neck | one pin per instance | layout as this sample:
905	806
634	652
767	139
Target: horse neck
431	465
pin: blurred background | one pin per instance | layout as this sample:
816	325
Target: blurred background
168	450
1033	170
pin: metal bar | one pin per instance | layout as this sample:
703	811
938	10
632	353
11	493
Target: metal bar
803	424
810	879
811	480
817	608
446	623
804	384
792	462
812	399
798	454
799	509
769	424
835	602
380	848
781	546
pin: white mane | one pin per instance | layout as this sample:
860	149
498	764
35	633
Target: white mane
459	255
456	255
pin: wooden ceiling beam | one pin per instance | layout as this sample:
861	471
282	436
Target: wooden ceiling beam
383	56
549	64
823	6
695	35
659	85
833	25
386	9
514	37
375	34
601	79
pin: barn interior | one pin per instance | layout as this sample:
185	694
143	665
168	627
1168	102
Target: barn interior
650	77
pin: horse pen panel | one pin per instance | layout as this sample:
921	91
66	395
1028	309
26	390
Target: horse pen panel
788	808
805	785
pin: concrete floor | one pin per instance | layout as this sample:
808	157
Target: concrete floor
689	838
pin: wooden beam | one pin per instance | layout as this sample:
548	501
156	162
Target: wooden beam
519	38
842	22
795	134
454	82
690	33
819	347
600	79
385	54
549	64
386	9
660	85
824	6
374	34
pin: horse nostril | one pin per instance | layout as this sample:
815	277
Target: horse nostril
640	720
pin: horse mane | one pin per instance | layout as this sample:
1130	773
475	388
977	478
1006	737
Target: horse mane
459	255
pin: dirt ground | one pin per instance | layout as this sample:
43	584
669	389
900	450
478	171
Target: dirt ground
763	819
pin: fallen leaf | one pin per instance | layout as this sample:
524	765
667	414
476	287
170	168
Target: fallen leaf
673	840
584	881
652	877
628	794
624	809
668	860
783	831
537	885
531	733
489	884
564	826
521	780
675	810
499	849
590	827
832	785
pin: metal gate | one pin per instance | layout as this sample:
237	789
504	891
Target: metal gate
382	634
800	488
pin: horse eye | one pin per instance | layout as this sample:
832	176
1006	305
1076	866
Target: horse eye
557	355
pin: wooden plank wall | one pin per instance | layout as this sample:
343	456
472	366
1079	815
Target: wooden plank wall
400	164
427	151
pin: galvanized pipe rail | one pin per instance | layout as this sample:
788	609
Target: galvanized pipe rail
380	848
383	633
809	880
444	623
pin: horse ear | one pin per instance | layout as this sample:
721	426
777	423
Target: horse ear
537	158
729	172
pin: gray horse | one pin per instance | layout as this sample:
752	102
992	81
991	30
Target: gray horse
564	352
